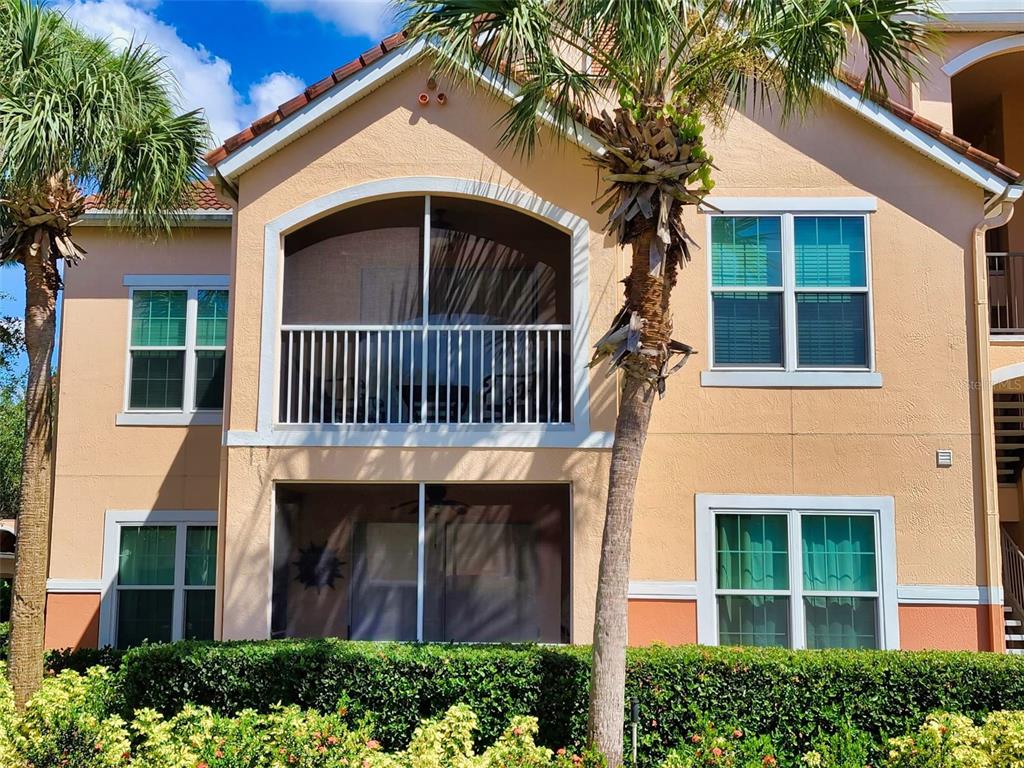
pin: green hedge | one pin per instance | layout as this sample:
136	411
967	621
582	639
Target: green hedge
794	697
78	660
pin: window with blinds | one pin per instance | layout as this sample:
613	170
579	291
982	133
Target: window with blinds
177	349
790	292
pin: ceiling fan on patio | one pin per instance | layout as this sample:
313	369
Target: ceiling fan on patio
437	497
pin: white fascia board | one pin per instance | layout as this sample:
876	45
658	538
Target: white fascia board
914	137
351	90
979	15
200	217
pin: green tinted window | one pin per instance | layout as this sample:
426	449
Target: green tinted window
158	379
829	251
212	318
144	614
746	251
210	378
200	555
198	614
838	553
158	318
146	555
753	620
841	622
752	552
832	330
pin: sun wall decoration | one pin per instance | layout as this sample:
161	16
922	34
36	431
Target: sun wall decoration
318	566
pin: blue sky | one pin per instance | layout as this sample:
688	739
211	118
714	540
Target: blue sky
236	59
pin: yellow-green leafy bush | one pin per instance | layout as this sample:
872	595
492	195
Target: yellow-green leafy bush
954	741
68	724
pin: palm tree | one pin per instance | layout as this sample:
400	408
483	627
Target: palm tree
644	76
79	121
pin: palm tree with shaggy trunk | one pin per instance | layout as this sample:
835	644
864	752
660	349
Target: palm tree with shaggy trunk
643	77
79	121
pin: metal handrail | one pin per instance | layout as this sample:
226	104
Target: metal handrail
1006	292
1013	573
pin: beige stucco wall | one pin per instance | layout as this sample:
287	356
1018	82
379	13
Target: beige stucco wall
875	441
931	95
99	465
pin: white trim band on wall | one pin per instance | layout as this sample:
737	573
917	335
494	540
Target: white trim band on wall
906	594
74	586
663	590
948	594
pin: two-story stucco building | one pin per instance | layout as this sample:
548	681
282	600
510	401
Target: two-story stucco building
351	397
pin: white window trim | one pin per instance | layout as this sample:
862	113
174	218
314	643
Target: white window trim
188	415
789	375
881	507
113	522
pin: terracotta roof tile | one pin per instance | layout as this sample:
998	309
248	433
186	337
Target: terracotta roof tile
388	44
347	69
204	199
207	200
370	56
319	87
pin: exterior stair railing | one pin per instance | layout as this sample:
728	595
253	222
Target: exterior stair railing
1013	575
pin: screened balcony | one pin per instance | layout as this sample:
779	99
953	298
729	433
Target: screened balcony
426	311
422	562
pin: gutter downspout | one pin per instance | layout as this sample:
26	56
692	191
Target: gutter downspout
998	212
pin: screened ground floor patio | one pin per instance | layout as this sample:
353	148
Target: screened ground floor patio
429	562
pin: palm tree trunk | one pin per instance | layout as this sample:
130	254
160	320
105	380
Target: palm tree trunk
608	669
31	561
649	294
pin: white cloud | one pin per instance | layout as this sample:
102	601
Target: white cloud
274	89
370	18
204	78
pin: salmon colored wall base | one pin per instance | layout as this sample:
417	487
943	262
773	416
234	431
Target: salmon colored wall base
673	622
944	627
72	621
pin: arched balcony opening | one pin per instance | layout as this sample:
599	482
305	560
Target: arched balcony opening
988	111
426	310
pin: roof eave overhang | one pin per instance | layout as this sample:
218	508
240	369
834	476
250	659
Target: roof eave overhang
351	90
192	218
914	137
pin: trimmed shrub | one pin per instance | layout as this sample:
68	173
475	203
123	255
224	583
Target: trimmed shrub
401	684
68	724
78	660
797	699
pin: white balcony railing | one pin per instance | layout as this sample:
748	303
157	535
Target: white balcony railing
439	374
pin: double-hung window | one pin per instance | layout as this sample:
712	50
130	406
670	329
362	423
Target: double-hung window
160	570
790	300
177	349
797	572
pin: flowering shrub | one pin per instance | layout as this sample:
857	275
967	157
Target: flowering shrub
944	741
729	747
